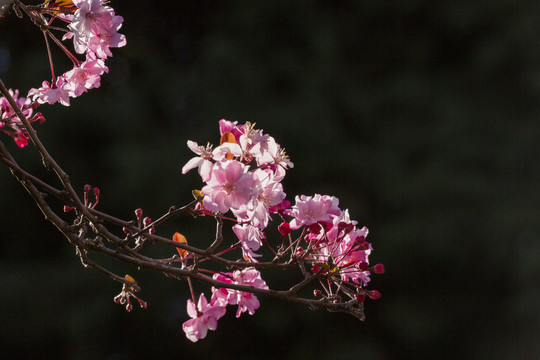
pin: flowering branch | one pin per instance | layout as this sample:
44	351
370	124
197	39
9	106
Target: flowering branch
242	189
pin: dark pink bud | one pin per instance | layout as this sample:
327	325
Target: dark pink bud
138	214
315	268
363	266
317	293
360	239
360	297
284	228
126	230
87	188
326	225
374	294
147	221
378	269
314	228
68	208
37	118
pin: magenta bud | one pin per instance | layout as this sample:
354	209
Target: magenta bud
37	118
147	221
138	213
374	294
314	228
284	228
317	293
378	269
87	188
360	297
68	208
363	266
327	226
360	240
126	230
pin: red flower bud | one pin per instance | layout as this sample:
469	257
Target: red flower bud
360	297
378	269
374	294
284	229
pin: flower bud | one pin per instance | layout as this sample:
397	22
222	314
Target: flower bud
284	228
317	293
378	269
360	297
374	294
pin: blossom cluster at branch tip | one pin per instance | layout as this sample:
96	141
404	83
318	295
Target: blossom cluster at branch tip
204	315
243	176
10	123
93	26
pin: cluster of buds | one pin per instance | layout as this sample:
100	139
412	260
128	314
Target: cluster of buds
142	223
129	288
86	198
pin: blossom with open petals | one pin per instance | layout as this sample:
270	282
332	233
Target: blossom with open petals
204	317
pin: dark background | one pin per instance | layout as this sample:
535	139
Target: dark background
421	116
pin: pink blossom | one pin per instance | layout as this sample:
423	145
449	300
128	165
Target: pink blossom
250	239
204	317
309	210
52	93
268	152
270	193
107	37
95	26
246	301
85	76
230	186
229	126
7	112
203	162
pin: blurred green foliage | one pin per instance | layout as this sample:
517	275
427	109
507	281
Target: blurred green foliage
421	116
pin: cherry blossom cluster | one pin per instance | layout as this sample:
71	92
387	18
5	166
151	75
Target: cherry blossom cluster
93	26
204	315
251	194
243	176
10	123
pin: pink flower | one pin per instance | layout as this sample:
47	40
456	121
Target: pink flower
309	210
95	26
230	186
204	317
270	193
52	93
203	162
85	76
250	239
7	112
246	301
268	152
229	126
